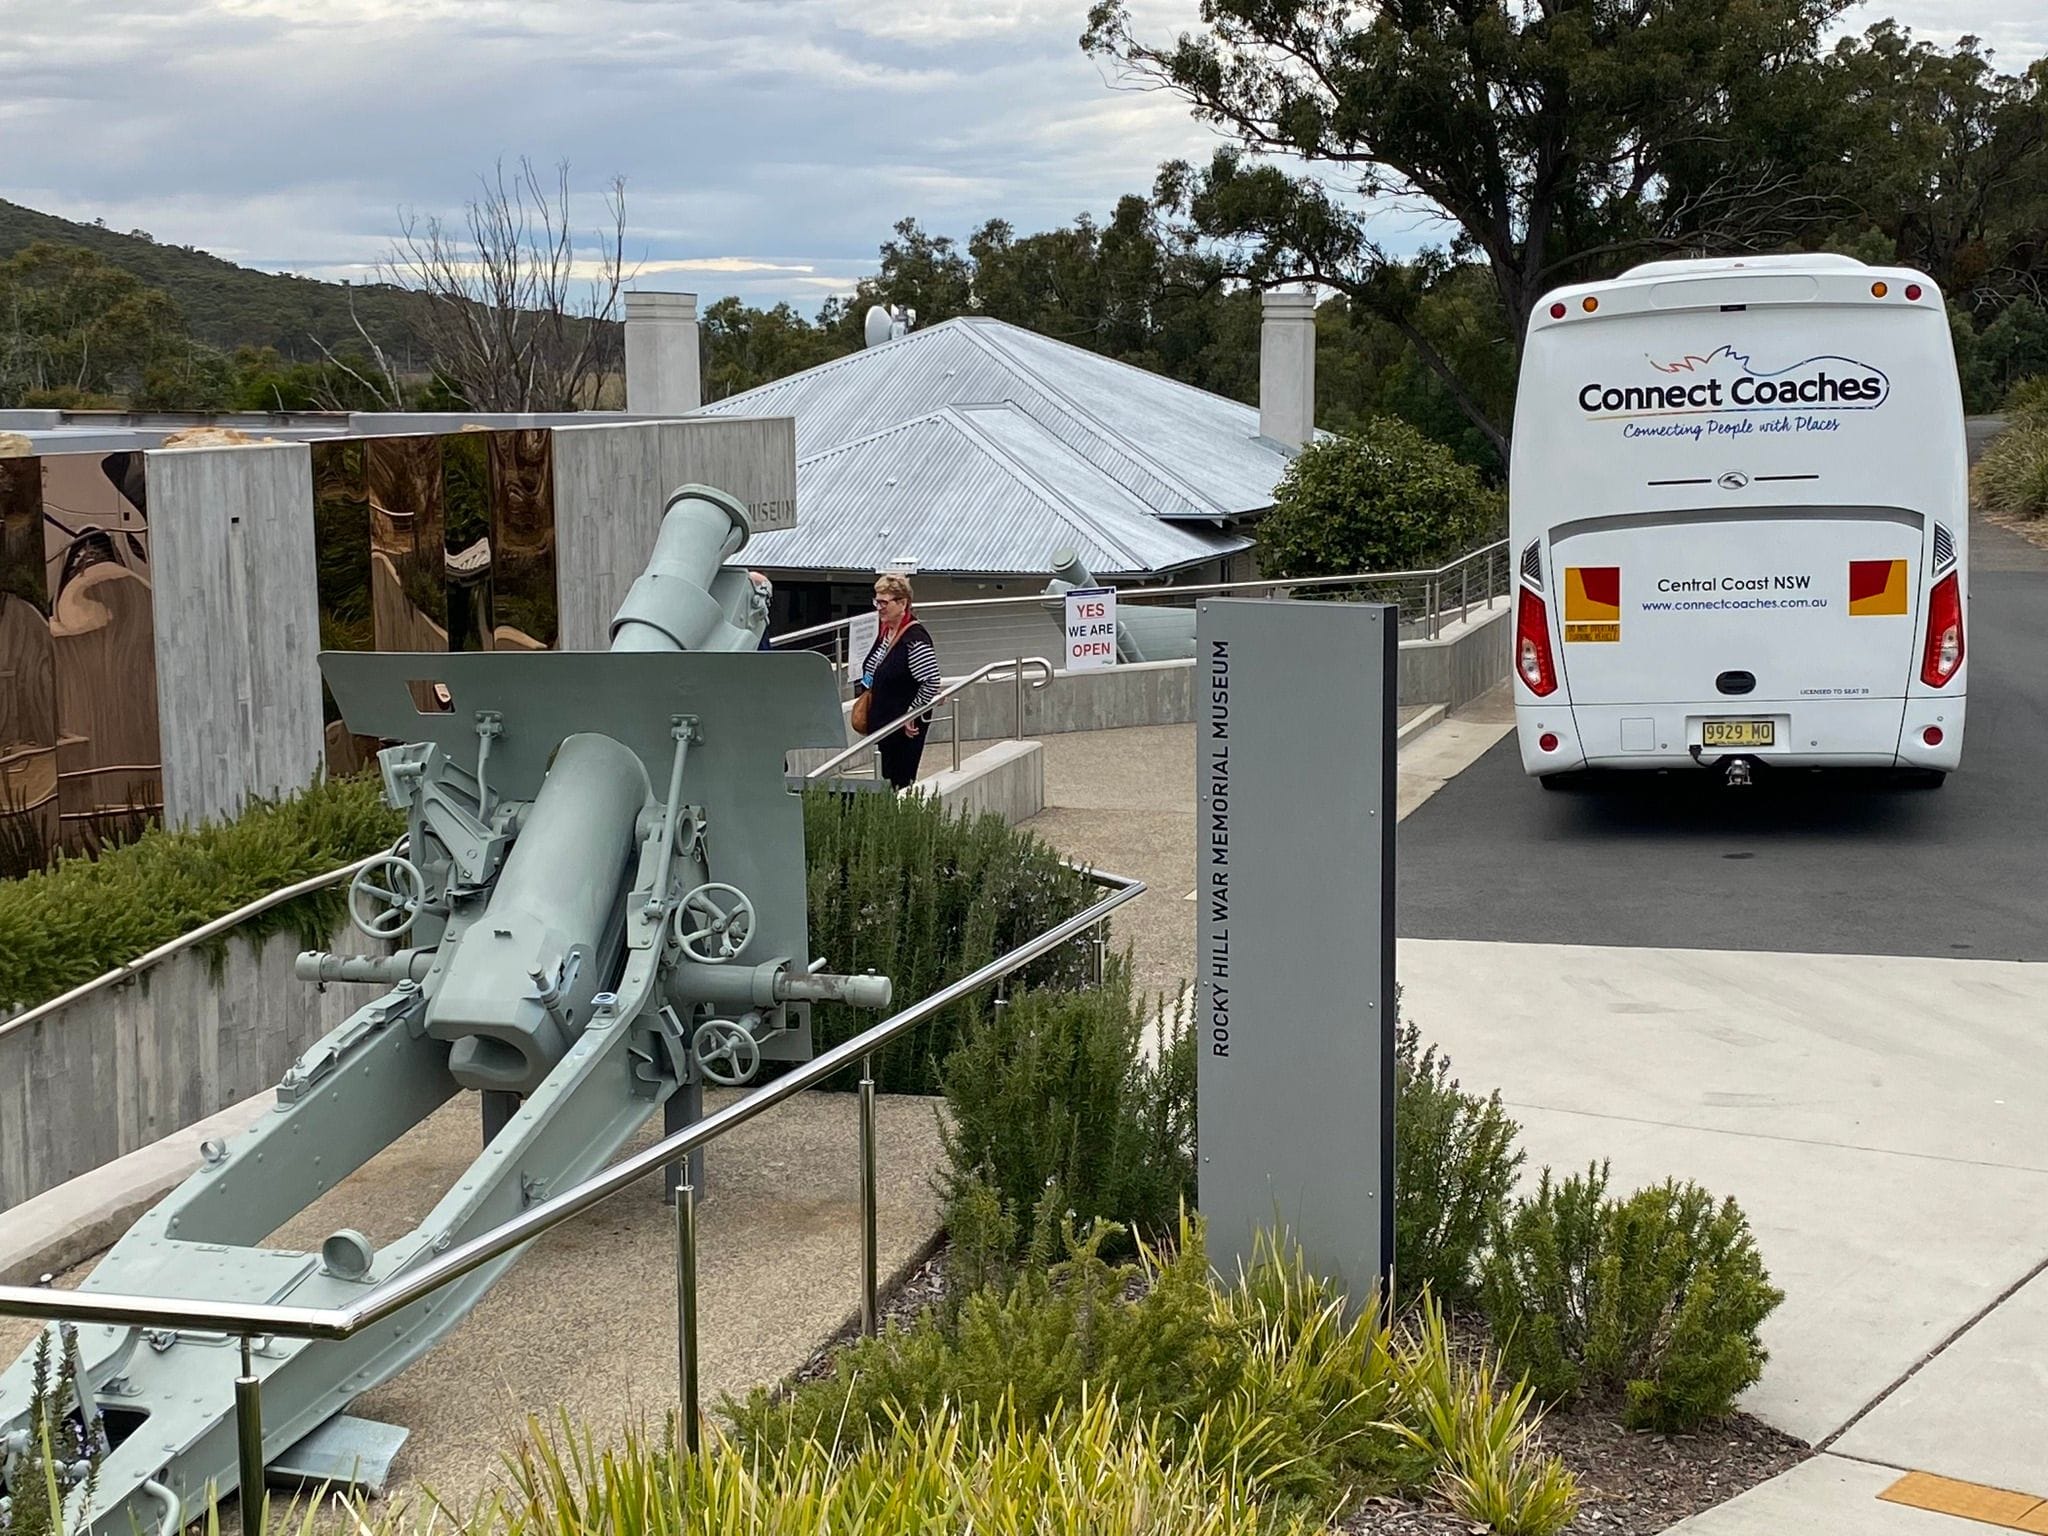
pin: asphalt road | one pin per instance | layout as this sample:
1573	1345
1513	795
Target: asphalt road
1820	864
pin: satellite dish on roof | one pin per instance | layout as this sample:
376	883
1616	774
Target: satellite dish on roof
886	323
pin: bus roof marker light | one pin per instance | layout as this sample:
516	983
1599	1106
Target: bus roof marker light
1913	291
1589	303
1557	311
1878	290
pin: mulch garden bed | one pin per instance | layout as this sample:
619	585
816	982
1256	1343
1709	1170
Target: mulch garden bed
1630	1483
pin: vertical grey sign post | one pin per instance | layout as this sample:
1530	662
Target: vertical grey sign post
1294	883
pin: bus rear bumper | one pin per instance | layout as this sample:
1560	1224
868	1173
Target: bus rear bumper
1804	733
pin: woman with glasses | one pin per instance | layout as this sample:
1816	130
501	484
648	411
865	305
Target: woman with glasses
901	674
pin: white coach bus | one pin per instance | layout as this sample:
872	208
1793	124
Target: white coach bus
1738	507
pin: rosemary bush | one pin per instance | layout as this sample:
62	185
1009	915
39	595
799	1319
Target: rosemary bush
82	917
1055	1091
906	888
1455	1162
1655	1299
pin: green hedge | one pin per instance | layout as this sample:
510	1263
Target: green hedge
1055	1093
923	896
898	886
82	917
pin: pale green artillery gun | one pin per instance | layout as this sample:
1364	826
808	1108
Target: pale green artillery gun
598	905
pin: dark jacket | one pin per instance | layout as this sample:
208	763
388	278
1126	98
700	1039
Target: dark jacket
890	677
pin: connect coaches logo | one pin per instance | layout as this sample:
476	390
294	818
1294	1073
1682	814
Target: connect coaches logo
1703	384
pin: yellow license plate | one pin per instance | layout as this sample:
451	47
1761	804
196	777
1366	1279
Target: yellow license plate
1739	733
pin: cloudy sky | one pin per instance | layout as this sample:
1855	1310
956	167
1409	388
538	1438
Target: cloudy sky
767	145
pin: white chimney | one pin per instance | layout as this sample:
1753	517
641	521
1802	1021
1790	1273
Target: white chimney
1287	366
662	373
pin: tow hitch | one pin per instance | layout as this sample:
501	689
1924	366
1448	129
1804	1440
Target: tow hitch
1736	772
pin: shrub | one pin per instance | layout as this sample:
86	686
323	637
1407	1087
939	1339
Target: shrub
2028	399
1480	1435
1657	1298
36	1491
1095	1470
1388	499
1053	1090
2011	479
1061	1326
1273	1384
1455	1162
923	896
63	926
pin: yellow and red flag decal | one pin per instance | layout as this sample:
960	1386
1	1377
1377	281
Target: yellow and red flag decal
1876	587
1592	603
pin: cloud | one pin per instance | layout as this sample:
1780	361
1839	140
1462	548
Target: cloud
769	146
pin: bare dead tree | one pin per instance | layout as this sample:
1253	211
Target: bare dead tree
509	311
385	388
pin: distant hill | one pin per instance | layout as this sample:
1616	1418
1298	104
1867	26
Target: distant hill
225	305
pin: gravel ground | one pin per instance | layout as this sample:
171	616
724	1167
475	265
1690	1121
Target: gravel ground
1630	1484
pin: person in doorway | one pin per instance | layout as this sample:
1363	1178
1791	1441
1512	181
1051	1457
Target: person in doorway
902	674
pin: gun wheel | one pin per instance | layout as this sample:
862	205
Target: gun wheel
714	922
386	896
726	1053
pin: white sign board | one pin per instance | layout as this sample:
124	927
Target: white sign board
861	633
1091	628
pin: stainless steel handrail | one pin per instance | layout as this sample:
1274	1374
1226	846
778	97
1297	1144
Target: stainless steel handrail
184	941
402	1291
957	686
1136	593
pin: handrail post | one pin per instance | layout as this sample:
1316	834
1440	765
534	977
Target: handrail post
870	1312
1017	700
955	718
686	1314
249	1442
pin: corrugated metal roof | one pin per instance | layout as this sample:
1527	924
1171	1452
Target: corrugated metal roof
1095	444
973	491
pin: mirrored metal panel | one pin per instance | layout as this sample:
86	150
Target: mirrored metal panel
29	828
466	534
408	555
102	630
341	535
523	599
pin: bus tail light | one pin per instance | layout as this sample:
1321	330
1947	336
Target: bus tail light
1944	632
1532	646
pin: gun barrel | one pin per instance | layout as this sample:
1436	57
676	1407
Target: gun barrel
675	603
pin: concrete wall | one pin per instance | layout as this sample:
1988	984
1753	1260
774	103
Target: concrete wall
136	1062
1007	779
1465	661
612	480
1461	663
1148	693
237	626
